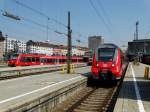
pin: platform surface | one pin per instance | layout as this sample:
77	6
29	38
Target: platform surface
134	95
15	90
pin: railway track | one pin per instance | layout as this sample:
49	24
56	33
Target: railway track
90	99
98	98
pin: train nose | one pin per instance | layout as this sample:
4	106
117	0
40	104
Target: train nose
107	75
105	65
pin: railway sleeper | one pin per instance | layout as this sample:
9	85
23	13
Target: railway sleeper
78	110
99	95
97	98
91	105
88	108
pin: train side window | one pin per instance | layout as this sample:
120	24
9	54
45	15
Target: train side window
28	59
53	60
33	59
64	60
49	60
80	60
46	60
37	59
59	60
74	60
43	60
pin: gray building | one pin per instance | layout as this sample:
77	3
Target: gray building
139	46
94	42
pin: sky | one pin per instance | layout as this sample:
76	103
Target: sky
114	20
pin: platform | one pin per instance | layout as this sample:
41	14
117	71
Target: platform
134	95
17	92
29	70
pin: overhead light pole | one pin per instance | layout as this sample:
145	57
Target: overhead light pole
69	45
137	23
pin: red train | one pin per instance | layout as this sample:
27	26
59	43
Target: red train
37	59
107	62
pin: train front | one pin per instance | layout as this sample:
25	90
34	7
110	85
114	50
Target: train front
107	63
13	60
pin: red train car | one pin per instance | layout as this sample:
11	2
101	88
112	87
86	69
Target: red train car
107	62
36	59
24	59
45	60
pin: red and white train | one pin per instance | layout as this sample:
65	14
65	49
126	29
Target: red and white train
107	62
37	59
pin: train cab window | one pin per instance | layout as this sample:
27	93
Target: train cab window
14	56
106	54
23	59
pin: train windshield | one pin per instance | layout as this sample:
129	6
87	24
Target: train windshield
106	54
14	56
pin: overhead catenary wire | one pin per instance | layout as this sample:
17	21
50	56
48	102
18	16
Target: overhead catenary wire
42	26
104	12
38	12
99	15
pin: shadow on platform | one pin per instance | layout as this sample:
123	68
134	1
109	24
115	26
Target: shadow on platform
128	90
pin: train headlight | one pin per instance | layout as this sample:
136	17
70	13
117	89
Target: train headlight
97	65
113	65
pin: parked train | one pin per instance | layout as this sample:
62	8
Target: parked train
37	59
87	58
107	62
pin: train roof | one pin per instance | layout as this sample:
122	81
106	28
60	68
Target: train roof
108	45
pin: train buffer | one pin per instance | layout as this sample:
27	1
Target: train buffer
134	95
